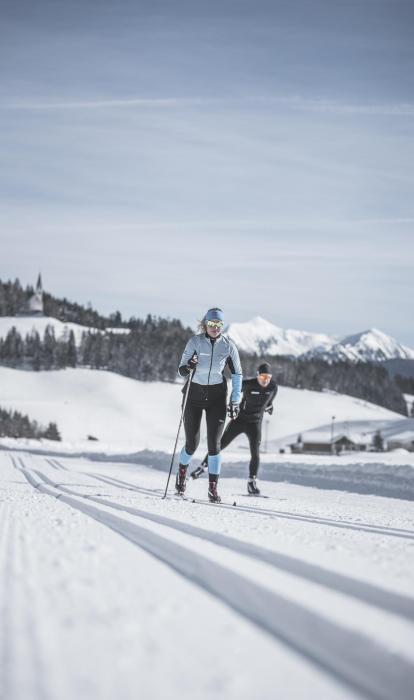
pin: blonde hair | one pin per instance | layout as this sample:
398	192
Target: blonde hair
202	325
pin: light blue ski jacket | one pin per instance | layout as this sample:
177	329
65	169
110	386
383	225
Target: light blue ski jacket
213	356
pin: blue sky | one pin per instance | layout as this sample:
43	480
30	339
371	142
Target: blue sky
164	157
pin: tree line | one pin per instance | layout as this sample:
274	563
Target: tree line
406	384
16	425
149	352
364	380
152	350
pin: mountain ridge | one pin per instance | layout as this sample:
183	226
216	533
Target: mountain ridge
260	337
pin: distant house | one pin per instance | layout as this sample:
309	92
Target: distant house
400	433
361	436
320	442
404	439
34	305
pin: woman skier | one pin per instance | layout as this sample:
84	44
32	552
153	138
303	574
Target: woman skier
206	355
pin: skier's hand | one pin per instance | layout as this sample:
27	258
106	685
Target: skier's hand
233	410
269	410
192	364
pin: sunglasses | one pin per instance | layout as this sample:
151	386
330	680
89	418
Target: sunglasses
265	376
215	324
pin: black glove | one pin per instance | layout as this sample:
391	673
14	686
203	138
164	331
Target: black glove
192	364
233	410
269	409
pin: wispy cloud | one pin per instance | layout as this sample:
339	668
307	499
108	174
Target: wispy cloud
397	220
295	102
163	102
402	109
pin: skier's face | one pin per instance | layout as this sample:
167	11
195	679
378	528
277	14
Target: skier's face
214	328
264	379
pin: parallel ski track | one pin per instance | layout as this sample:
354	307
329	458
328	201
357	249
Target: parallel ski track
342	524
395	603
349	657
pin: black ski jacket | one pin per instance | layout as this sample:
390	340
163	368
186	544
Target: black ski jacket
256	399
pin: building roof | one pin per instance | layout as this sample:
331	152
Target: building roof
315	437
403	436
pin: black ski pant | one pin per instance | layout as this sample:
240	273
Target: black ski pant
254	436
215	417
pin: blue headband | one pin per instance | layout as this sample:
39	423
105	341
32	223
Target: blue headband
214	315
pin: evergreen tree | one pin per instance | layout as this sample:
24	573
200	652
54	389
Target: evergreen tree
33	351
12	298
406	384
71	352
52	432
49	348
16	425
378	441
12	348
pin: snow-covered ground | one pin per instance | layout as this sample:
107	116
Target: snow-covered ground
137	422
144	415
109	591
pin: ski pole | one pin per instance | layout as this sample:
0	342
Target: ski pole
190	376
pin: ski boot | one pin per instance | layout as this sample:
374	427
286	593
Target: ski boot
213	496
180	479
199	471
252	488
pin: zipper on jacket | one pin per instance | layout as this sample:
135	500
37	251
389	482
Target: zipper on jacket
211	364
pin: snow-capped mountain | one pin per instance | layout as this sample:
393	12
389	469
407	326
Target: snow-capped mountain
369	346
262	337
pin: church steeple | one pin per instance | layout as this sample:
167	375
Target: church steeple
35	303
33	306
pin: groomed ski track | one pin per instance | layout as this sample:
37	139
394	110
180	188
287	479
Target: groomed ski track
360	664
374	595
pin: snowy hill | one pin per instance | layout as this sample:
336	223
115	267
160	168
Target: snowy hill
124	412
27	324
372	345
262	337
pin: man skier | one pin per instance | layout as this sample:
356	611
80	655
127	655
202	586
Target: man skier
258	395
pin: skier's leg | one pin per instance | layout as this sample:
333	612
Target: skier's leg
232	430
216	416
192	421
254	434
